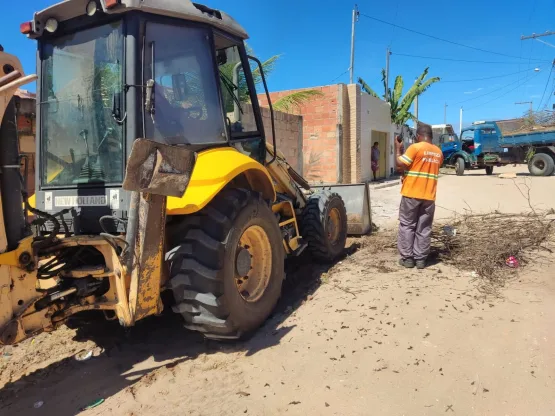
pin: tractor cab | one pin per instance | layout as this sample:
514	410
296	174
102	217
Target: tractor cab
112	71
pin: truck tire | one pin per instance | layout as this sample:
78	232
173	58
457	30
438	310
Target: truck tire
324	226
541	164
226	265
459	166
489	170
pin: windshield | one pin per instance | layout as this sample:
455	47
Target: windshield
81	134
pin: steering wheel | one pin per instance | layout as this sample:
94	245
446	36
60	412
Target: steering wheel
198	110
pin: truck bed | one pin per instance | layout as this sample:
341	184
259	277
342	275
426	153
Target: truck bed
528	139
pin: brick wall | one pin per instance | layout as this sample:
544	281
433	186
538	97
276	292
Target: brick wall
322	132
289	130
337	131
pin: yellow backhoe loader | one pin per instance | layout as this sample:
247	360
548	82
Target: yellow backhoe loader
153	174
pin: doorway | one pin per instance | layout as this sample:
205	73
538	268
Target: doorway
381	138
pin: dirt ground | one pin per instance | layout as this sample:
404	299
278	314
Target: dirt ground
474	191
359	337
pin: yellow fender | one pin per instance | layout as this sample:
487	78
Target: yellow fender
213	170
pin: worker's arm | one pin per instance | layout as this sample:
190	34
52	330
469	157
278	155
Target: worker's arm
403	161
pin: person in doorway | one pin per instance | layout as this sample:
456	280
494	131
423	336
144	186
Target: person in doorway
420	163
375	160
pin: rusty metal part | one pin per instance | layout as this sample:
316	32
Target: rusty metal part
148	256
334	225
154	172
255	244
159	169
356	197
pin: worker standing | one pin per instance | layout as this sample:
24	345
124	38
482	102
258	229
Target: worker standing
375	160
421	163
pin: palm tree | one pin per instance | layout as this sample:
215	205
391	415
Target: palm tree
288	103
400	107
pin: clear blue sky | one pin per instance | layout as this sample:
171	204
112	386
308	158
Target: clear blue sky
314	40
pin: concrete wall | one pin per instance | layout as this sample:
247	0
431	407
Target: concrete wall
289	133
375	117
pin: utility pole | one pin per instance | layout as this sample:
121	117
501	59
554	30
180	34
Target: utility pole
534	36
445	113
460	122
416	108
352	67
387	54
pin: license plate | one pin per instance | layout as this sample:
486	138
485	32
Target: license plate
81	201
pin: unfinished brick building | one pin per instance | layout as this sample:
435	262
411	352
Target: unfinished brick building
338	131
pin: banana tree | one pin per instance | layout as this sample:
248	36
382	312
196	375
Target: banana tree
288	103
400	106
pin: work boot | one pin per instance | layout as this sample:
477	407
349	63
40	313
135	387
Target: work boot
408	263
421	264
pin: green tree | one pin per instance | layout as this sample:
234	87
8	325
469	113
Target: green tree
400	106
288	103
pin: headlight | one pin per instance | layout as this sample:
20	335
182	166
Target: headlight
51	25
91	8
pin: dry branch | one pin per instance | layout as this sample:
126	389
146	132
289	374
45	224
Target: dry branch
483	243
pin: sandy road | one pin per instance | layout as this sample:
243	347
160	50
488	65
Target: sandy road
362	337
474	191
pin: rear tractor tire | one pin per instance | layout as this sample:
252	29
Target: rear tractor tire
226	265
324	226
459	166
541	164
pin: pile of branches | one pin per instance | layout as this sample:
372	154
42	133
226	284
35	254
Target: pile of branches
482	243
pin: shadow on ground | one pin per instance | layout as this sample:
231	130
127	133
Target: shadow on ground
68	385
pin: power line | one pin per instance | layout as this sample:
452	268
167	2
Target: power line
438	38
482	79
546	85
490	92
458	60
336	78
505	93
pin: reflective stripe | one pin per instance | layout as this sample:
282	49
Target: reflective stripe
422	175
405	159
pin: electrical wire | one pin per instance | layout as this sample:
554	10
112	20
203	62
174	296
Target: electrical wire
457	60
395	19
502	95
481	79
545	89
492	91
336	78
438	38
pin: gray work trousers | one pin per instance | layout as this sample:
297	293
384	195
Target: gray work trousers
416	217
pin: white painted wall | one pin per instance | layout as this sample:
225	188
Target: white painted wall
374	115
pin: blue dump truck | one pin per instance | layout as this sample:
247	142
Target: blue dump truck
484	146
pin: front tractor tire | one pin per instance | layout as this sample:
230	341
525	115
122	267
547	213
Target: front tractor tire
226	265
324	226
